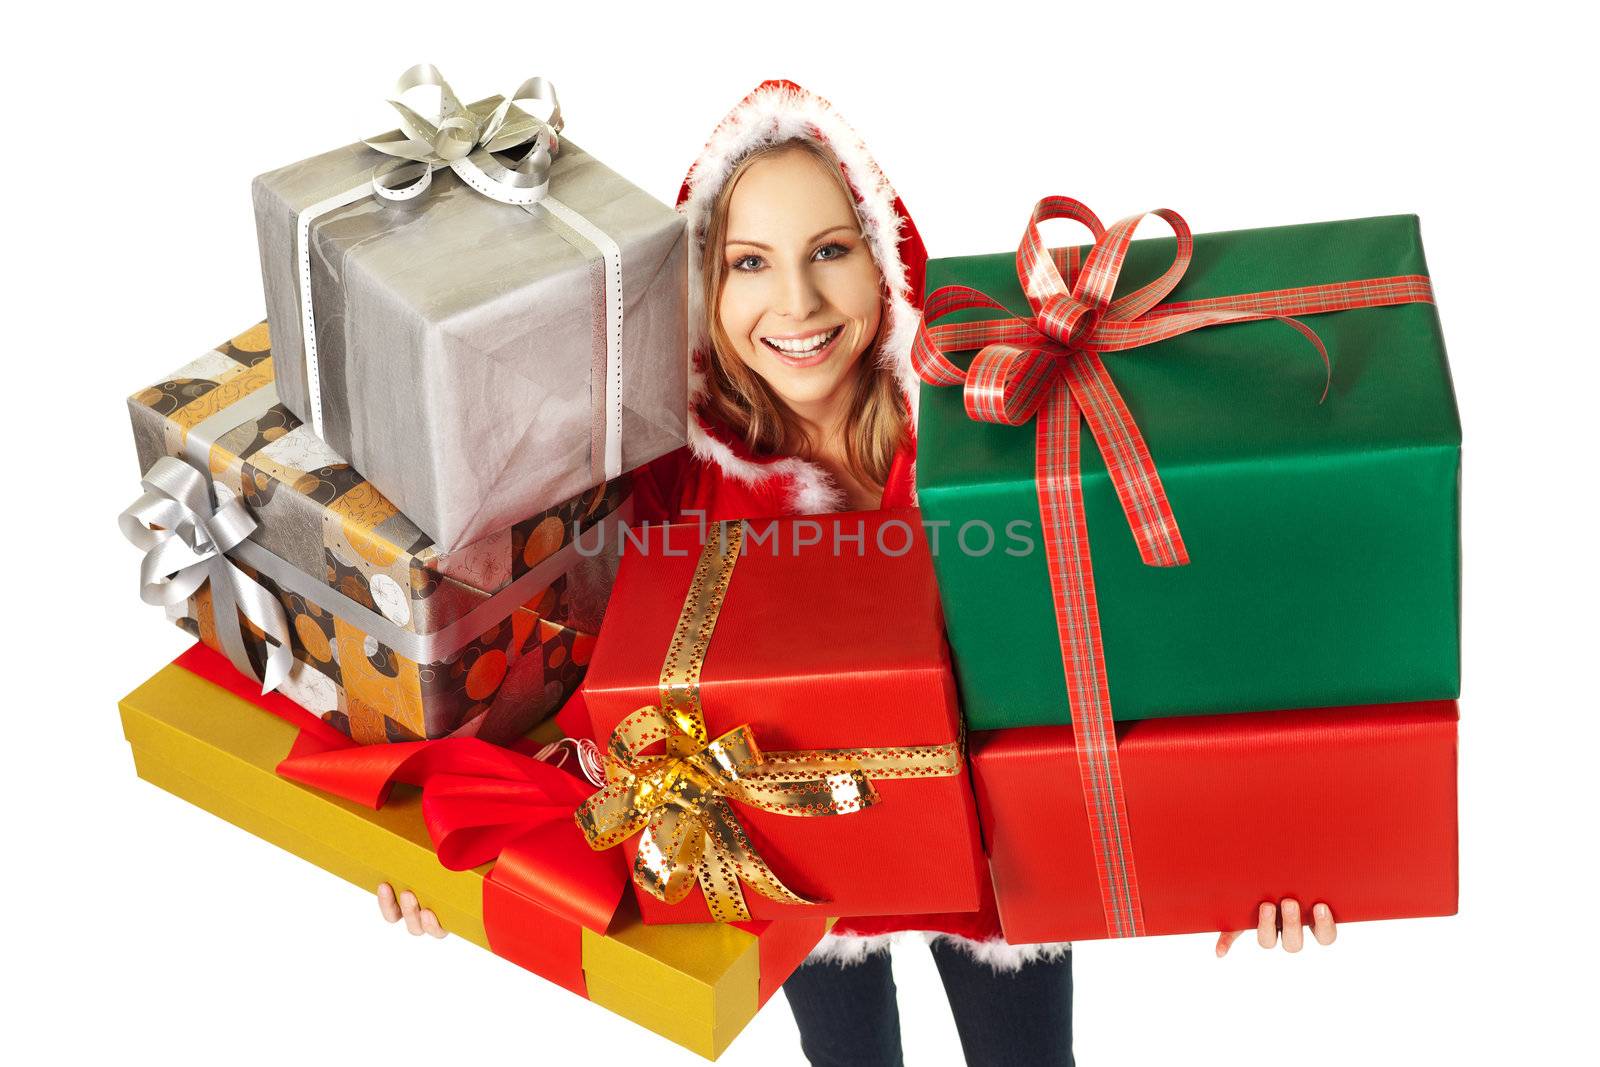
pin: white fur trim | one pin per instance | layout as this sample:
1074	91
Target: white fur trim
847	949
768	116
811	490
1001	955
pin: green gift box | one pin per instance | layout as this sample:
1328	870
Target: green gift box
1323	538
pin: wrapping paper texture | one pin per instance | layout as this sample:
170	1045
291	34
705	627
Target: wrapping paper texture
813	651
318	515
457	336
697	986
1320	536
1352	807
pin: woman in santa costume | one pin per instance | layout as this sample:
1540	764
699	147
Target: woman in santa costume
805	278
804	283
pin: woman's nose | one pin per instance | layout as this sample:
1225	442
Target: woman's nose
799	297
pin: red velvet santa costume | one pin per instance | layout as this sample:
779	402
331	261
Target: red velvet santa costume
719	476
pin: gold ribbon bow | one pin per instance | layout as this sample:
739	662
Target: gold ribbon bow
680	798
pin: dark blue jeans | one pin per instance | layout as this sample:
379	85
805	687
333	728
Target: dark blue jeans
848	1017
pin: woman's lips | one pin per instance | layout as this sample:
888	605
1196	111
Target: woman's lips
805	359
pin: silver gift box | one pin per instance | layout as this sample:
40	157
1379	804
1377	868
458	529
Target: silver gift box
461	342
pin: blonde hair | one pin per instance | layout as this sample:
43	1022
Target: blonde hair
875	420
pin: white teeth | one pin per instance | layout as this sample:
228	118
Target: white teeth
802	347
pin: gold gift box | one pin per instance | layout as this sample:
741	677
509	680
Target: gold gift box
697	986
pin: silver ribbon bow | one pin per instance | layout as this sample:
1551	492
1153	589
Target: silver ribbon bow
468	143
481	151
184	536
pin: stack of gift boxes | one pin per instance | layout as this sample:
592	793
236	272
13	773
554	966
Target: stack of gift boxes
1322	575
802	719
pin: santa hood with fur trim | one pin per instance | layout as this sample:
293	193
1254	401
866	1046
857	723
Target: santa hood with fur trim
718	475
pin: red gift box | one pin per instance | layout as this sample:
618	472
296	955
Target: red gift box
1353	807
830	637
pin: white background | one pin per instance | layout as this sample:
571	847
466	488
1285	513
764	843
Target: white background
137	927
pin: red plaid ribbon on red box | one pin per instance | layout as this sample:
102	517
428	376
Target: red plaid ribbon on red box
1050	366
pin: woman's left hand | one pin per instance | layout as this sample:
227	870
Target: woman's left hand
1286	914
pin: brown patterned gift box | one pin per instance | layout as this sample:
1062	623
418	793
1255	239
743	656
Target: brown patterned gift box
498	631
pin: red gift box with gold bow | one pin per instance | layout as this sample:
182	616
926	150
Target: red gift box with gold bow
779	720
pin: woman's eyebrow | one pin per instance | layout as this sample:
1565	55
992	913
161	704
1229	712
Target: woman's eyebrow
833	229
813	237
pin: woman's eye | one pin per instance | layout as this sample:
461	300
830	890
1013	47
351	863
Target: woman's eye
748	263
830	251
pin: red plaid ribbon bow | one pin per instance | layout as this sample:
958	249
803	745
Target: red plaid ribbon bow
1050	366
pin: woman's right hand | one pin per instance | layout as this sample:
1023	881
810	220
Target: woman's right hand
419	920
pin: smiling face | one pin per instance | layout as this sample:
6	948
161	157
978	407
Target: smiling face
801	295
